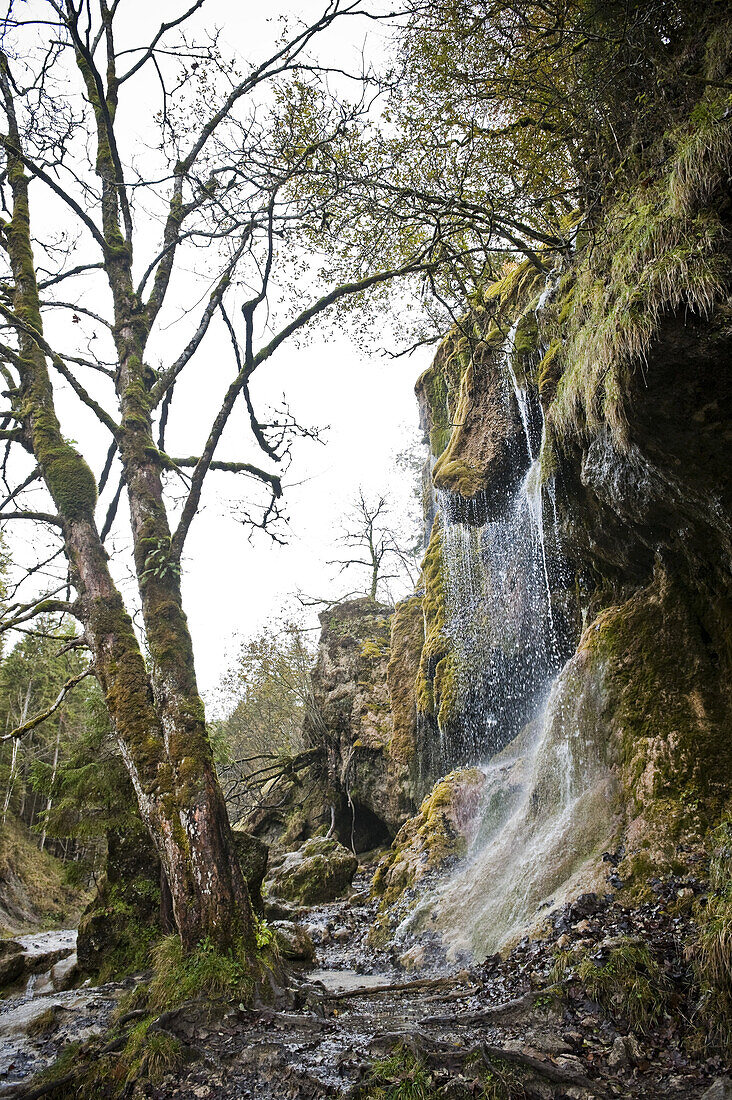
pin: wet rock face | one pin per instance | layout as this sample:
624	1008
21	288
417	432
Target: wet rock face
364	782
648	523
641	505
12	963
486	448
430	842
320	870
667	489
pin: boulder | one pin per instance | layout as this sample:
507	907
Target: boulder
122	921
279	910
320	870
429	843
435	837
65	973
12	962
293	941
253	855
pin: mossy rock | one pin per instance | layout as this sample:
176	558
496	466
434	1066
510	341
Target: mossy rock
293	942
253	856
434	838
320	870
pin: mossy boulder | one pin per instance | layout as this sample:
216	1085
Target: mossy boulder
253	856
435	838
122	922
320	870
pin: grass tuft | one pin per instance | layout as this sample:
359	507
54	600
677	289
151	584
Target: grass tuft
661	247
712	954
204	972
629	982
401	1076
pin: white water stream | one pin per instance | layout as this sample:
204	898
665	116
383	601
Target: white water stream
532	725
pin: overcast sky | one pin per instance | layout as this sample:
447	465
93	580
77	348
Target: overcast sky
234	584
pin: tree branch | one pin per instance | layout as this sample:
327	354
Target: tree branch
46	714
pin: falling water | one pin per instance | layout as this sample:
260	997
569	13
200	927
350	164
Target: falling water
499	582
526	720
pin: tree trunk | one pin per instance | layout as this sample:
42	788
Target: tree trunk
158	720
54	770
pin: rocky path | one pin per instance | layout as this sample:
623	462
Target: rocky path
507	1019
354	1018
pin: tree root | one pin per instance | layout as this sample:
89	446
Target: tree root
442	1054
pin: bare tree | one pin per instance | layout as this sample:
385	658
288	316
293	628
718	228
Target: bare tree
103	228
374	544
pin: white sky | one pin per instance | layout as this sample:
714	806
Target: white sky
233	585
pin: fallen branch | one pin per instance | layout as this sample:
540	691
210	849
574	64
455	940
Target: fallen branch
492	1012
396	987
542	1066
443	1054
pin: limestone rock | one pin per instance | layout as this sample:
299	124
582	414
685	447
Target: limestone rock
12	963
360	734
320	870
64	973
274	909
293	941
435	838
618	1056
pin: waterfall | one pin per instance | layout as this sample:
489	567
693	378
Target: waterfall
500	574
547	804
530	723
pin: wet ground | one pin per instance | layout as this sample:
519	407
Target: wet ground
354	1006
39	1015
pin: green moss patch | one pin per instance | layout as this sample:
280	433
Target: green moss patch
661	246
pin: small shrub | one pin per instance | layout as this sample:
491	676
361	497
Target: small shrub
43	1024
401	1076
150	1053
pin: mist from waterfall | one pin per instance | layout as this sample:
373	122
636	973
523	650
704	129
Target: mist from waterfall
527	718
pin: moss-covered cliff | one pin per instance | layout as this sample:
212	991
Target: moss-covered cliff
624	343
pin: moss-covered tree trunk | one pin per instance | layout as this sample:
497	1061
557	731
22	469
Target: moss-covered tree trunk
158	715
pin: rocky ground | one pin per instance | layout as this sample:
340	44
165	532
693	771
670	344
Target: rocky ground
354	1021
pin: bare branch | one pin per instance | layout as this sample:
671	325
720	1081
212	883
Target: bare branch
168	377
46	714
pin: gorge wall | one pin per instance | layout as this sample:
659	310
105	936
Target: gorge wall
572	634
